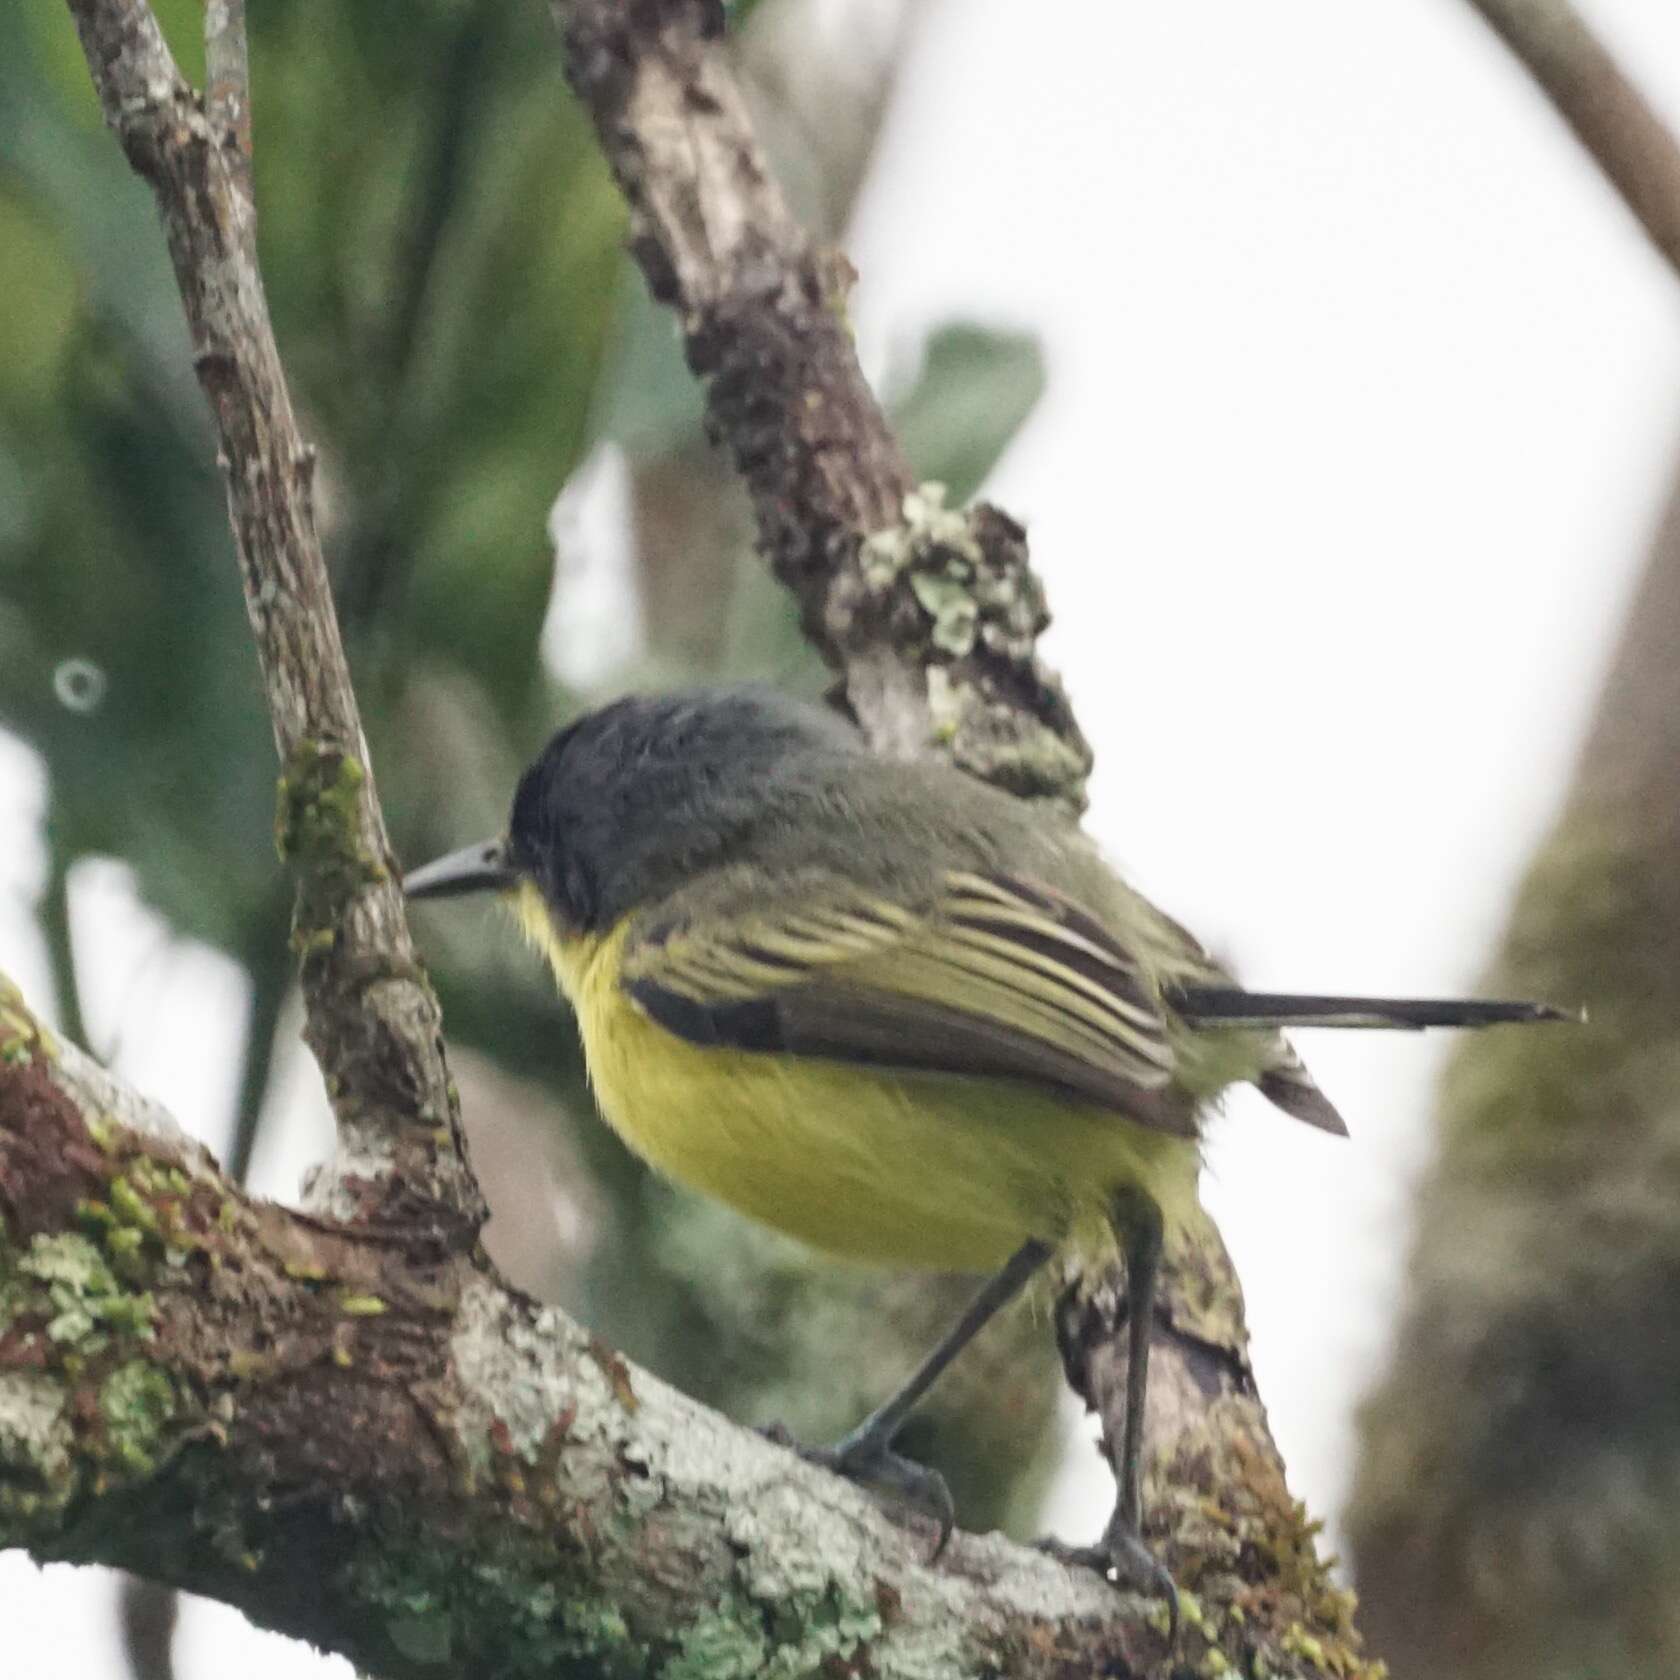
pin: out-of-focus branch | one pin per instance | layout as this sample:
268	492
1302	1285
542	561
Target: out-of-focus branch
147	1613
1514	1515
1609	115
372	1020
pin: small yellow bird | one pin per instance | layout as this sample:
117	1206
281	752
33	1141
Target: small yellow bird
888	1009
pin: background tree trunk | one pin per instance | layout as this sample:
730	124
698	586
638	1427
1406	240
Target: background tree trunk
1516	1512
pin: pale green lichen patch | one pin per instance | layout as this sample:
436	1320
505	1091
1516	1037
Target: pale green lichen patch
428	1599
952	592
727	1645
790	1596
317	819
934	550
136	1406
22	1037
988	739
931	536
65	1281
79	1406
35	1435
744	1638
953	609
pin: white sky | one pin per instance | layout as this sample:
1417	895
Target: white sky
1362	405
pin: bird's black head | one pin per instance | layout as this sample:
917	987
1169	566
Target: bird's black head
628	802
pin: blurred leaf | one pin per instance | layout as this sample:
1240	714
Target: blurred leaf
440	242
39	286
47	36
442	279
975	389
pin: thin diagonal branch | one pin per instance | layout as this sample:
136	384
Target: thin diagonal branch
372	1020
1609	115
147	1613
930	616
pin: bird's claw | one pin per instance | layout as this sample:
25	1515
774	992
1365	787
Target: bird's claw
870	1460
1121	1557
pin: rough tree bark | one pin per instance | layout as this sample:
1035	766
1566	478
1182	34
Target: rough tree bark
1515	1511
341	1420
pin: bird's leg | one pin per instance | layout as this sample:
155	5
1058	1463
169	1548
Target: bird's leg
1121	1549
866	1455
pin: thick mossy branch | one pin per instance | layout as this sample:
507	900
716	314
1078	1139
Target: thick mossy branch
403	1462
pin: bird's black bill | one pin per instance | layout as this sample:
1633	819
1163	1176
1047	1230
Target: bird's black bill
480	868
1232	1007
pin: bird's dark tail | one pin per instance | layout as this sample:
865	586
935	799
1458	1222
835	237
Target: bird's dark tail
1230	1006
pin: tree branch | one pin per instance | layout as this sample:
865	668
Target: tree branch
373	1022
417	1468
1610	117
930	616
1217	1506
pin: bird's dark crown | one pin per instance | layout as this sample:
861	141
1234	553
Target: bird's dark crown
626	803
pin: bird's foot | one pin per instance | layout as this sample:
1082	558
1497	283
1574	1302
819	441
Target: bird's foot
868	1458
1121	1556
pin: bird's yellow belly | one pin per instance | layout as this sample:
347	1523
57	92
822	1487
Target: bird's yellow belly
921	1170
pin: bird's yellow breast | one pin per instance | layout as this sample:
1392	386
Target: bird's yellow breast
910	1169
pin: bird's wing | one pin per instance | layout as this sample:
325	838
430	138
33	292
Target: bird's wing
995	976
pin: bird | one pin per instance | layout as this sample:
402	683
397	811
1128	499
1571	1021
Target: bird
893	1011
